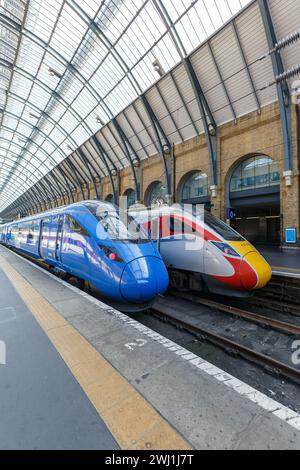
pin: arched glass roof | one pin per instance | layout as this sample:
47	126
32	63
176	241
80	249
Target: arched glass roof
67	67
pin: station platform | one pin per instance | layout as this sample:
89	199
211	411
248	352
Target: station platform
283	261
78	374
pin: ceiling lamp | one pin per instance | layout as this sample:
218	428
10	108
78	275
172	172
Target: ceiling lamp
54	73
34	116
100	121
158	68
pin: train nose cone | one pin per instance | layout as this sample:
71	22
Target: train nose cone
143	279
255	271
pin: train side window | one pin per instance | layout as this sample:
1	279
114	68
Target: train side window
76	227
178	226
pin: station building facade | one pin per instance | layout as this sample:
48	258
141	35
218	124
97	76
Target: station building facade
251	177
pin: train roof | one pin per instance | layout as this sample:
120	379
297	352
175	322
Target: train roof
62	209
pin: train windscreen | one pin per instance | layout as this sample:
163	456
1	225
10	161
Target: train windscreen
119	225
221	228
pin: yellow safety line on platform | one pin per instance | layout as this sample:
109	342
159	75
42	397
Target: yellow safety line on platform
133	422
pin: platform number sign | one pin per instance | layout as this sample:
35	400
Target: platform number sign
291	236
231	214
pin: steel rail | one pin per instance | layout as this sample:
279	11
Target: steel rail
284	327
268	363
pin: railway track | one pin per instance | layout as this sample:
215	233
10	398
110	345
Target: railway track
235	348
282	295
231	346
284	327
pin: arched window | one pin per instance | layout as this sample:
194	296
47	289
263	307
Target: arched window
255	172
109	199
155	191
195	186
131	197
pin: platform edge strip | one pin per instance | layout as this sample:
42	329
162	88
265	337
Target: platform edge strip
133	421
275	408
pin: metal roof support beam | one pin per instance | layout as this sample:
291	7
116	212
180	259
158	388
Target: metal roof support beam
29	208
86	162
210	126
40	201
83	172
93	162
36	197
59	187
17	208
24	204
47	190
237	37
283	91
165	148
134	164
183	101
73	169
57	193
71	177
28	204
145	127
130	124
222	81
104	157
61	171
156	86
47	195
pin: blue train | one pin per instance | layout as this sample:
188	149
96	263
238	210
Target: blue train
97	243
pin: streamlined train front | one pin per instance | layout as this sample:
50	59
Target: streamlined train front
93	242
203	253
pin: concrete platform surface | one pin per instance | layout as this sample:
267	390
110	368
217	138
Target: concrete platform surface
186	402
41	404
282	260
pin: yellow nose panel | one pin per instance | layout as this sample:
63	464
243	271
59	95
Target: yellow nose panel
243	248
256	261
261	267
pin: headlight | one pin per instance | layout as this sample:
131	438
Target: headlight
112	255
227	249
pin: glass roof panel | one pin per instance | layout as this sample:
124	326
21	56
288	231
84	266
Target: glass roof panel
78	63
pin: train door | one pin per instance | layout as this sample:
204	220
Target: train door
74	247
44	238
181	244
59	238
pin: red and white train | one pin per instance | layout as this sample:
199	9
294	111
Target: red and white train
203	253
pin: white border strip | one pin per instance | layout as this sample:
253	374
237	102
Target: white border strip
286	274
277	409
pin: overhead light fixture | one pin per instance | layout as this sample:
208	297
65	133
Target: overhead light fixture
167	150
136	163
100	121
114	172
54	73
212	130
34	116
158	68
70	148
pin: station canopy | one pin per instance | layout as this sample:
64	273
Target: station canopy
68	68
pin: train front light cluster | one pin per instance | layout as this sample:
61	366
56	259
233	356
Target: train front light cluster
112	255
226	249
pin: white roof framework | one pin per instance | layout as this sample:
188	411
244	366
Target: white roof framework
69	67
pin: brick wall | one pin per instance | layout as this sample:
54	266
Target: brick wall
251	134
